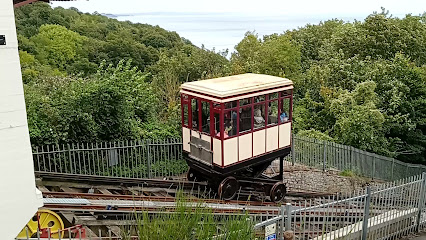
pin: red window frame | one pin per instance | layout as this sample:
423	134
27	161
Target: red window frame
219	108
281	100
184	101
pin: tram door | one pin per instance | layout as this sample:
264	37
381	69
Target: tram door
200	141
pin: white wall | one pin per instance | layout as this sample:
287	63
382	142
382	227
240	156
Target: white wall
19	199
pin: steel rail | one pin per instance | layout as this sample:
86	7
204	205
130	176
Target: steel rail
149	198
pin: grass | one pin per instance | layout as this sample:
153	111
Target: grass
189	222
347	173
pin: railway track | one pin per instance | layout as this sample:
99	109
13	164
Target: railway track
98	201
147	184
114	196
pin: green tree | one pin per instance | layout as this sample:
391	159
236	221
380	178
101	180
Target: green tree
58	46
276	55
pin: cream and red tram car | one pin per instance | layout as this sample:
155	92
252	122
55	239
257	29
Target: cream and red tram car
233	128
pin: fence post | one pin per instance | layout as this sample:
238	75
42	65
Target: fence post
281	229
325	156
288	219
406	170
148	144
393	163
293	154
421	201
374	166
366	214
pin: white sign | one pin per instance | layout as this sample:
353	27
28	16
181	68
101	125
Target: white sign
270	229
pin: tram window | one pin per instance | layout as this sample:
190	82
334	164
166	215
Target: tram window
232	104
259	116
217	124
259	98
194	106
245	119
273	112
273	96
230	123
285	110
245	101
185	114
205	117
286	93
184	96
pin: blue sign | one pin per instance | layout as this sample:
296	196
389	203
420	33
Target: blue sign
271	237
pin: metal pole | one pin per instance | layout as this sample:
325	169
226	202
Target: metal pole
149	158
393	162
293	154
282	168
374	166
366	214
421	201
288	219
325	156
282	222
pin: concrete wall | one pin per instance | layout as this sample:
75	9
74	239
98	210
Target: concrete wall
19	199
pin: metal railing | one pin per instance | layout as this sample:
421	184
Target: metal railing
160	158
133	159
329	155
387	211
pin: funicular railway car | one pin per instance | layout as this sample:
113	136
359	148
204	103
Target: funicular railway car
233	128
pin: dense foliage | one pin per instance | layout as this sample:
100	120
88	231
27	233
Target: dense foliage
90	78
361	84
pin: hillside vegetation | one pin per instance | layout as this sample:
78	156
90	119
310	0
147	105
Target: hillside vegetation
91	78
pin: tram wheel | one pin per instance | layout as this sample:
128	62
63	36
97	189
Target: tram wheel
228	188
278	192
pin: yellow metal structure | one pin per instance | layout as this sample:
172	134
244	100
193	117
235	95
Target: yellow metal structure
46	219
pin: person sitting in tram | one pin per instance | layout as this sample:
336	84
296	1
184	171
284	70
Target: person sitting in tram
284	117
225	133
259	121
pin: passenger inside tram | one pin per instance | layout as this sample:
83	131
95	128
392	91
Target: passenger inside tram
259	120
230	124
285	109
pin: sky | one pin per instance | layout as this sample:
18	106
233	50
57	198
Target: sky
294	7
221	24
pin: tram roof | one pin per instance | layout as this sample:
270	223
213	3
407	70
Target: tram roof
236	85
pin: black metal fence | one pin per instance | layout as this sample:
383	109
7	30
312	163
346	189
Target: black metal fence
160	158
134	158
329	155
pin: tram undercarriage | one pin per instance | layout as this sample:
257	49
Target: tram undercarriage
247	176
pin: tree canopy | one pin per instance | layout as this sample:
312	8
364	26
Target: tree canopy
360	84
92	78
